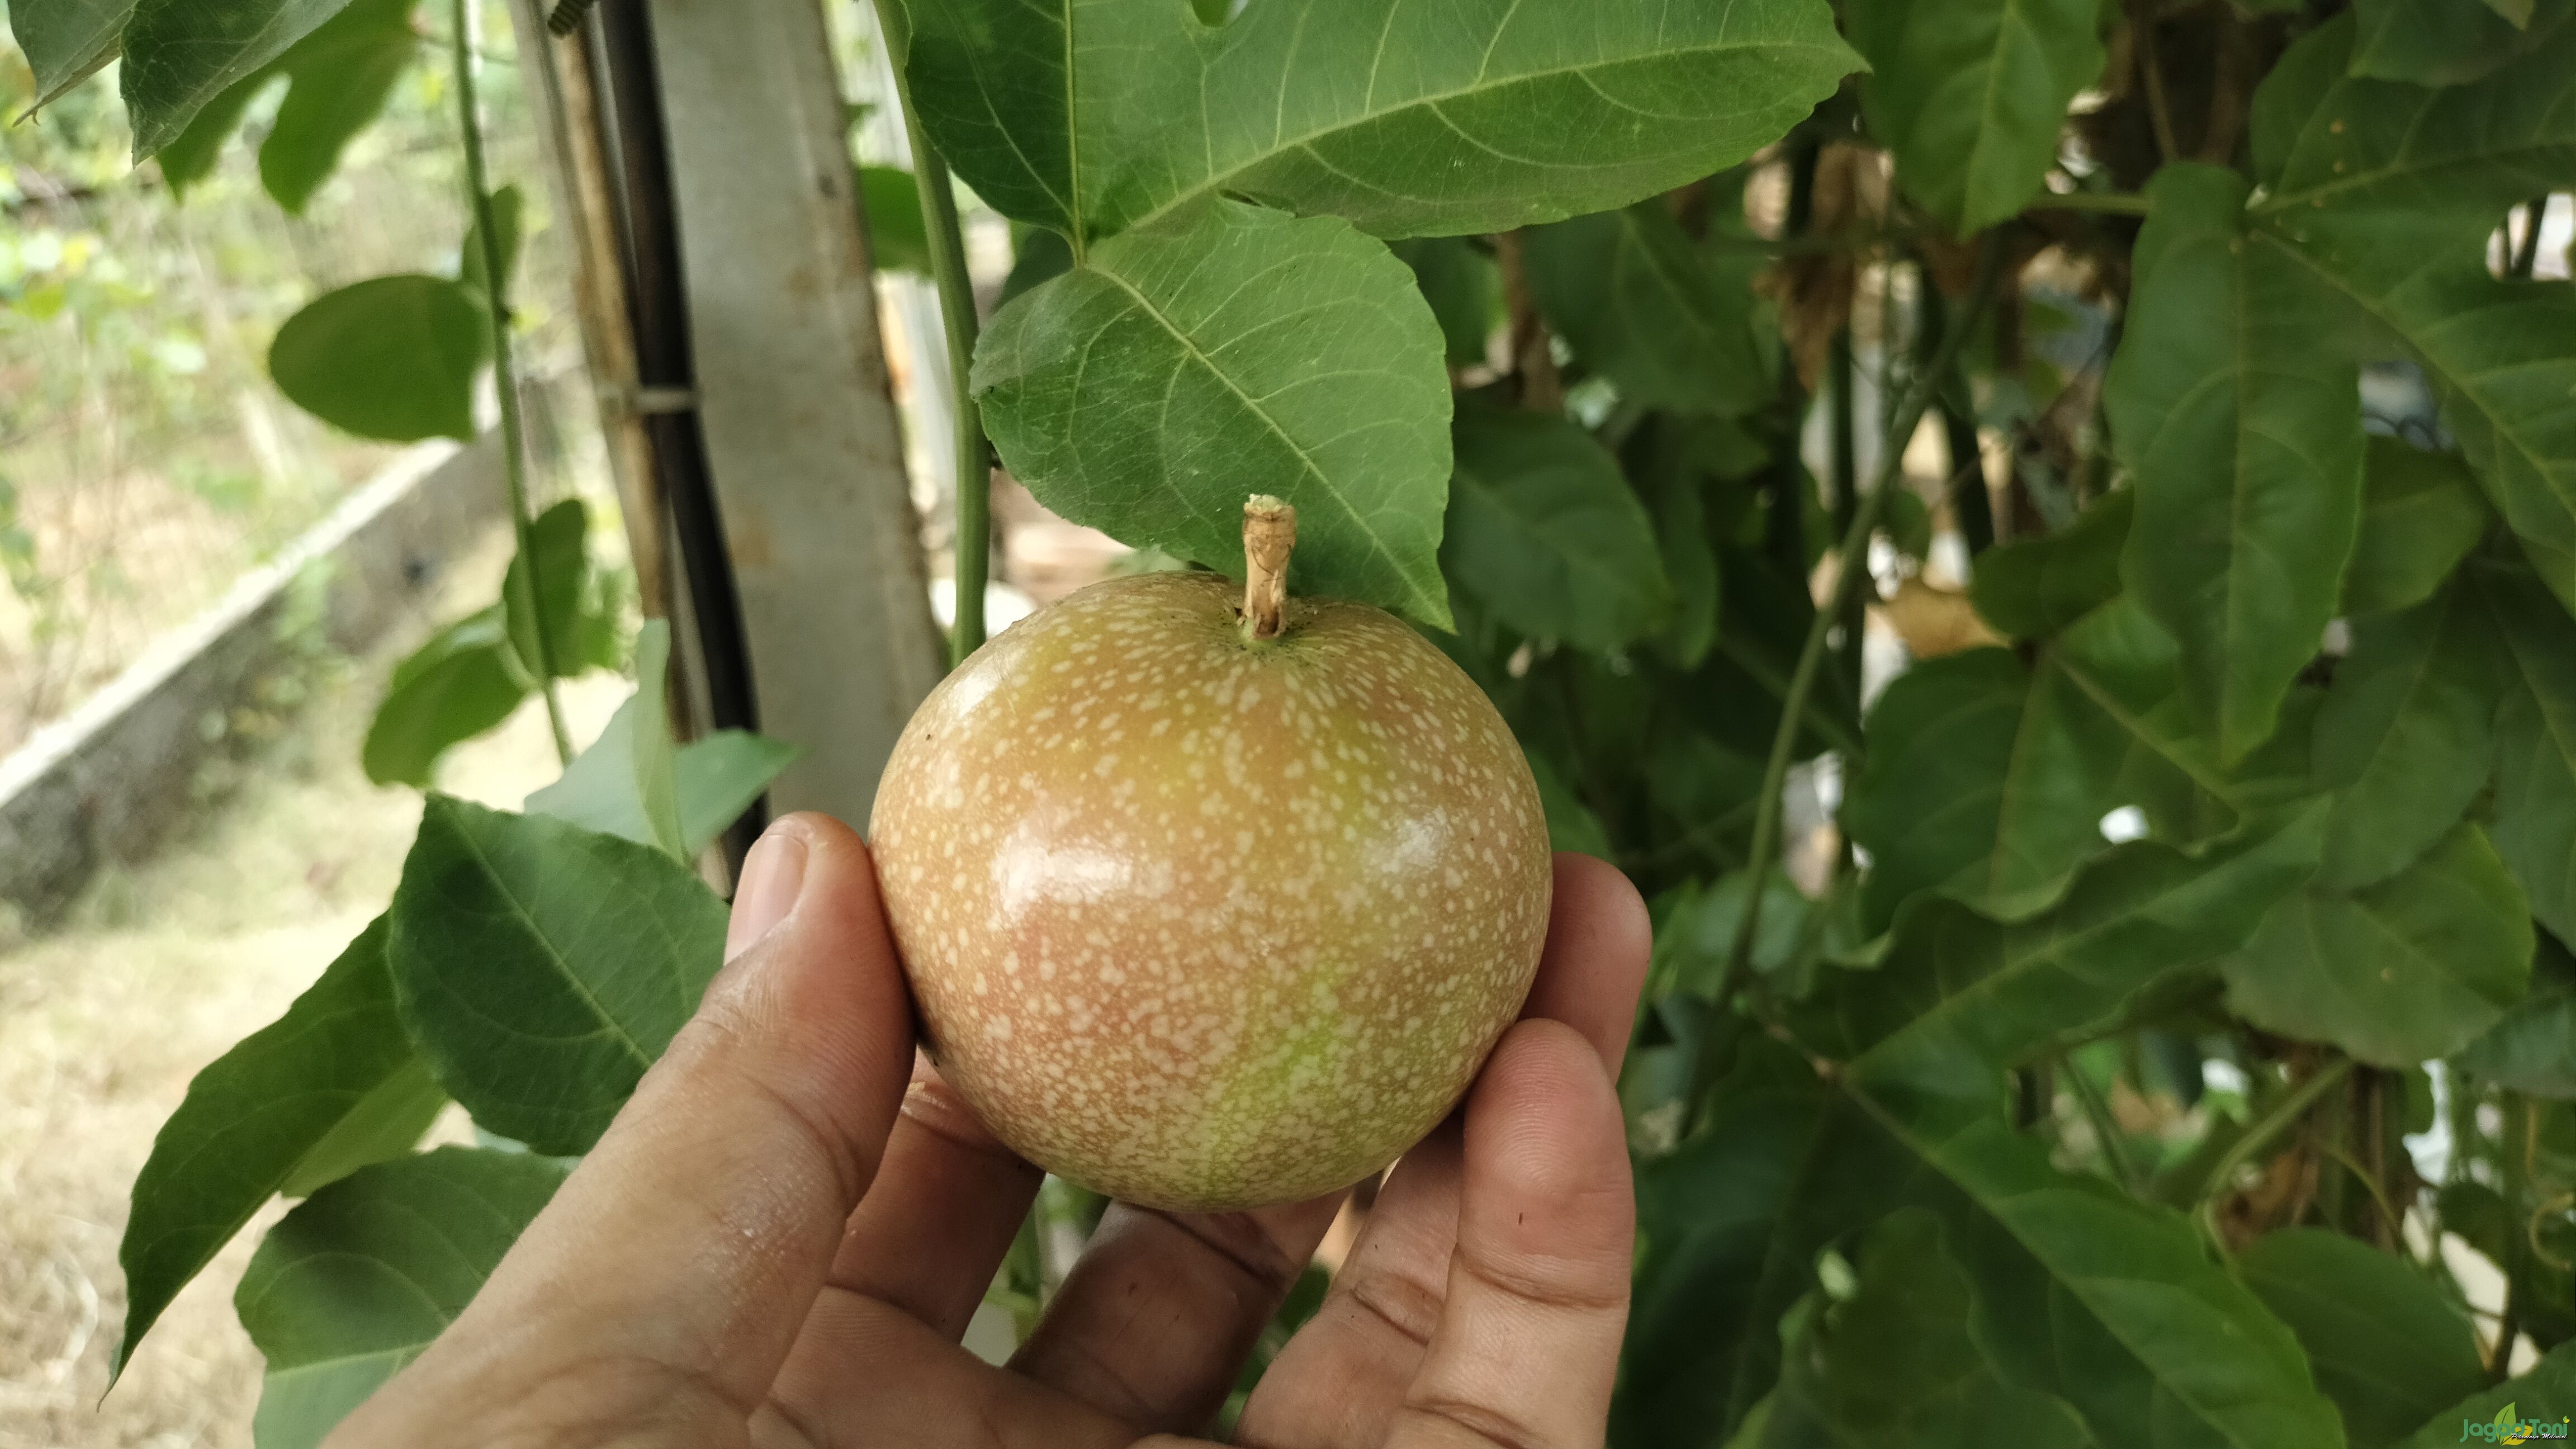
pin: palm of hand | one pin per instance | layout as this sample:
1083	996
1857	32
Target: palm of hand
766	1250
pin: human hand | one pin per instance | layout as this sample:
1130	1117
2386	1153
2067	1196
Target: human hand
780	1241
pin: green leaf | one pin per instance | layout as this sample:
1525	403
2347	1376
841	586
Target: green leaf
1690	564
615	787
351	1286
557	540
2405	971
1098	118
1228	351
393	358
2387	144
626	783
329	1087
2535	730
1463	289
2551	1381
1971	95
2031	588
2406	735
2387	1346
543	967
341	75
67	41
1955	984
2245	440
2533	1050
191	155
2501	354
181	54
1544	530
1720	1223
2442	43
1987	780
898	237
508	209
2421	513
459	684
1638	304
1896	1363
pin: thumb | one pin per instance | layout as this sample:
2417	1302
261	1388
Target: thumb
686	1250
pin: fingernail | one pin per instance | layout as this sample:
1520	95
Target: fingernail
772	875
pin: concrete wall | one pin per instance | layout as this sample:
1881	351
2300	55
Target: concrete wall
109	781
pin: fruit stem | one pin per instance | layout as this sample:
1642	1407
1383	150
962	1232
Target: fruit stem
1269	532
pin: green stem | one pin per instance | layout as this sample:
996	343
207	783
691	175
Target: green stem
2284	1112
505	379
1847	576
956	289
2108	203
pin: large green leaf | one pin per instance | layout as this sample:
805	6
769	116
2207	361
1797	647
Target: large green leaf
1971	94
2387	1346
1408	120
459	684
2079	1292
2534	1048
2407	970
2421	513
1226	351
1638	304
2406	735
2535	800
392	357
182	54
543	967
2541	1394
1896	1364
2031	588
67	41
1955	985
2442	43
2387	144
1544	530
329	1087
2244	438
351	1286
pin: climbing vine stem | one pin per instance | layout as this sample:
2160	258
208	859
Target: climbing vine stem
957	315
524	580
1853	567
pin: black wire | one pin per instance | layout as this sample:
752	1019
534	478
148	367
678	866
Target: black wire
650	231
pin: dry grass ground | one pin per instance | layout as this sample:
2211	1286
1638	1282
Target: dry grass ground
161	968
